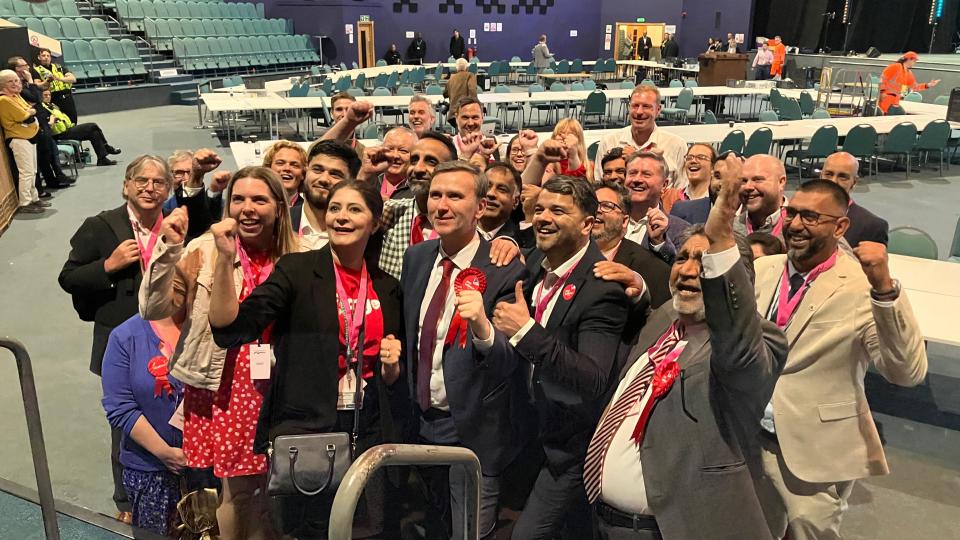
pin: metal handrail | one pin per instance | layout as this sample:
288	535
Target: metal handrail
28	389
345	501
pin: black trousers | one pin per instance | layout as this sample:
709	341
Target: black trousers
48	164
763	72
119	493
557	507
64	100
89	132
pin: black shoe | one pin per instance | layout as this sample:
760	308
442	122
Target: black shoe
30	209
45	195
42	204
105	161
111	150
64	179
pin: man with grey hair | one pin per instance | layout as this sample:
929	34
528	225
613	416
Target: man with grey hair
567	323
541	54
699	376
387	164
103	270
421	116
204	204
649	224
466	380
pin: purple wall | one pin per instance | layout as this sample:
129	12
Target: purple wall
520	31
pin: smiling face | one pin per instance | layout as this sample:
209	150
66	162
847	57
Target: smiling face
645	182
421	116
517	156
644	109
288	164
685	278
697	164
11	85
842	169
560	226
426	155
398	143
148	189
615	170
813	242
349	221
452	206
254	208
611	222
469	119
502	197
323	173
763	180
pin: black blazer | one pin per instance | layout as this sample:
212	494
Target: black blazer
865	226
702	432
524	238
300	298
106	299
487	393
573	357
458	47
695	211
655	273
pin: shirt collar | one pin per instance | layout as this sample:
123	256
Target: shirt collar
566	266
305	228
626	137
490	235
463	258
136	222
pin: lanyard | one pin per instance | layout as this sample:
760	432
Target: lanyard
777	227
146	252
249	279
785	305
352	323
545	300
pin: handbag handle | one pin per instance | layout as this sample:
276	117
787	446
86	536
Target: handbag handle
331	453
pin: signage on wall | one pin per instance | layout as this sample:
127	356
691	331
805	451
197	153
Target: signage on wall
364	18
641	19
670	29
573	33
609	29
606	42
348	28
473	33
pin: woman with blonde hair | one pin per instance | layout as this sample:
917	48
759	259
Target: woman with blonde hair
223	388
569	132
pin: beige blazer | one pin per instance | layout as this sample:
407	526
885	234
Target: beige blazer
822	418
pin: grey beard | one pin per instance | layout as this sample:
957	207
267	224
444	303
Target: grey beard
696	310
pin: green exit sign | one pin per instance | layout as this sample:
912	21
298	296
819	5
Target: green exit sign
641	19
364	18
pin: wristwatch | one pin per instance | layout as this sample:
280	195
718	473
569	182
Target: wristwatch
888	296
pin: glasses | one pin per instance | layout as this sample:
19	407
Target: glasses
807	217
141	183
607	207
181	172
698	157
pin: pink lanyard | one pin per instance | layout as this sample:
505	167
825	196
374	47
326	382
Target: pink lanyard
777	228
251	281
146	252
786	306
543	302
352	322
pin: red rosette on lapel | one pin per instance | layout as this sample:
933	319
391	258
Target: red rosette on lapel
469	279
158	368
664	375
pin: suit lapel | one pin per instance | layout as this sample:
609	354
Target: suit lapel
324	286
119	222
581	273
819	292
420	279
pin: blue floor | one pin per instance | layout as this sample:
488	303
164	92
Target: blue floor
21	520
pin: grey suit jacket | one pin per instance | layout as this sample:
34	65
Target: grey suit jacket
700	434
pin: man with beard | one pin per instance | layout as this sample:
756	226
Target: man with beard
329	163
764	179
503	198
643	133
668	458
386	165
843	169
421	116
647	174
841	313
567	323
703	173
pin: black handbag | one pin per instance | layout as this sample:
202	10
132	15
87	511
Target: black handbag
314	463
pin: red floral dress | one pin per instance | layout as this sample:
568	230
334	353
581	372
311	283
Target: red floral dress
219	426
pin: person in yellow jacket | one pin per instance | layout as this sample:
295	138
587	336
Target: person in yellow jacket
20	126
60	79
64	128
897	80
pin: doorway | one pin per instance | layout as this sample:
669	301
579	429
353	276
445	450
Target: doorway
366	50
634	31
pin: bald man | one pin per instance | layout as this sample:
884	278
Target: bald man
387	164
843	169
764	180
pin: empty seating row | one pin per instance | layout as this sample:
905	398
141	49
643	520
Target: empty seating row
22	8
162	31
65	28
212	53
102	58
133	12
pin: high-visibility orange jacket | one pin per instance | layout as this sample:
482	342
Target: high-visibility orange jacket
896	79
779	57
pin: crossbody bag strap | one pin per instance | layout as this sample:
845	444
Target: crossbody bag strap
358	395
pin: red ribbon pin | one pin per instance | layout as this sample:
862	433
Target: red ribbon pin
469	279
664	375
158	368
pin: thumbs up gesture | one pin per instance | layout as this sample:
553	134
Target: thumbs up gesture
509	317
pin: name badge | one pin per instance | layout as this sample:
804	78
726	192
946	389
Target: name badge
346	399
260	360
177	419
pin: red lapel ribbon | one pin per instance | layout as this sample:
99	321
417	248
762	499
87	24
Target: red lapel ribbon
158	368
664	375
471	279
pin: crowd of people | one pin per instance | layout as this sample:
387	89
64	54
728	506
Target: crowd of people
36	112
659	344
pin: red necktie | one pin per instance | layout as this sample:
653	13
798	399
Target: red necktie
416	230
428	335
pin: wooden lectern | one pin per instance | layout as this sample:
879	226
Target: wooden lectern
717	68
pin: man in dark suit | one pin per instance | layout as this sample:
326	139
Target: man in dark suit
649	226
843	169
467	380
567	323
644	46
703	369
103	271
503	198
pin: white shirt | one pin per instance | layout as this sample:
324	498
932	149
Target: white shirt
140	232
674	150
636	230
538	292
309	238
461	260
621	481
490	235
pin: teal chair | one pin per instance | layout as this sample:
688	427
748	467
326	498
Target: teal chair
896	110
768	115
860	142
733	142
681	108
820	114
381	63
914	97
595	105
933	138
807	106
899	142
954	255
676	83
434	90
589	85
822	144
507	108
759	143
592	156
790	110
709	117
941	100
912	242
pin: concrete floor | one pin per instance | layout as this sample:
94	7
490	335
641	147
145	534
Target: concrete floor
919	499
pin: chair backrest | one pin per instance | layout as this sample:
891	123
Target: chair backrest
648	82
823	142
790	110
941	100
807	105
356	92
85	28
360	81
820	113
768	115
405	91
685	99
558	87
676	83
589	84
759	142
515	59
596	103
709	117
901	139
627	85
860	141
535	88
381	62
912	242
501	89
954	254
935	136
895	110
381	92
577	86
592	151
733	141
690	83
915	97
434	90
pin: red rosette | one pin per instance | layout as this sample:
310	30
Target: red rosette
157	366
664	375
469	279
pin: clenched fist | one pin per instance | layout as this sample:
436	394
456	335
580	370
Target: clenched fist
123	256
225	237
874	261
390	359
174	227
657	223
359	112
552	151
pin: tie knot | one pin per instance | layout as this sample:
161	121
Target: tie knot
447	265
550	279
796	281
